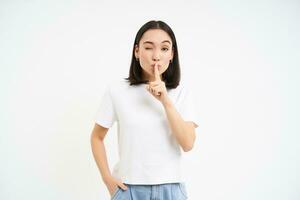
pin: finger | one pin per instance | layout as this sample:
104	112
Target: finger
156	90
124	187
149	88
156	72
114	189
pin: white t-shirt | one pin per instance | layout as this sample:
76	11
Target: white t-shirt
148	151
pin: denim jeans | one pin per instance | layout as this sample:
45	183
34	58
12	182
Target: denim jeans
168	191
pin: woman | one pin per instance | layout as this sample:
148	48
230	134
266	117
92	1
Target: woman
156	120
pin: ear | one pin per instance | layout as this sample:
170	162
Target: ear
136	51
172	54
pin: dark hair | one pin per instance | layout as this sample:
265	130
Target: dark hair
171	76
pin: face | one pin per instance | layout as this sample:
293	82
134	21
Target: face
154	47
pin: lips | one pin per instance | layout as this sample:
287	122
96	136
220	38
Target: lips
154	65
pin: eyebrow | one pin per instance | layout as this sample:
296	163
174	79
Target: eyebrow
153	43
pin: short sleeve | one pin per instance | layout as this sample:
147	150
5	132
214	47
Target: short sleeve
189	111
106	115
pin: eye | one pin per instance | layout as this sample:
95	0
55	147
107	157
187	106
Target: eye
165	49
147	48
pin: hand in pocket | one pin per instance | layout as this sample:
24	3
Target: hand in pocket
112	185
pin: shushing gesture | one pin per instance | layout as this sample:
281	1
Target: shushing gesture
157	87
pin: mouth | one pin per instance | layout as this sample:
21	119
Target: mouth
154	65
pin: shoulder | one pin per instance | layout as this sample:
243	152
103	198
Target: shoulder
187	92
116	86
183	88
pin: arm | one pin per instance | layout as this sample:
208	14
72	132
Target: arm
99	153
98	149
184	131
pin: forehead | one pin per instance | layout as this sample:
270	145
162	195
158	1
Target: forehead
156	36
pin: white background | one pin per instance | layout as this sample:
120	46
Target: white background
242	58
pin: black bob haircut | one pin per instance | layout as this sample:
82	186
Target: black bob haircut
171	76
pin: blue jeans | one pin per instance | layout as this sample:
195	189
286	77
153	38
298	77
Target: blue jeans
168	191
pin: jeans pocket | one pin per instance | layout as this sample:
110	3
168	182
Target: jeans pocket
115	193
183	190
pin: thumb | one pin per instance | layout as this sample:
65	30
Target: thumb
122	185
147	87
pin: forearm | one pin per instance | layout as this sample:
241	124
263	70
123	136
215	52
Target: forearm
183	132
100	157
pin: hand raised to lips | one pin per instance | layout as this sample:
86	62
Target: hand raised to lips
157	87
156	73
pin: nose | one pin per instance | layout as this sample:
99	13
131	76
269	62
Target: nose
155	56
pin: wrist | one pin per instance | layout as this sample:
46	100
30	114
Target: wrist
106	178
167	102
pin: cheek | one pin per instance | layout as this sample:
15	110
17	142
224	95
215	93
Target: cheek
145	59
167	58
164	68
145	55
166	61
144	62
